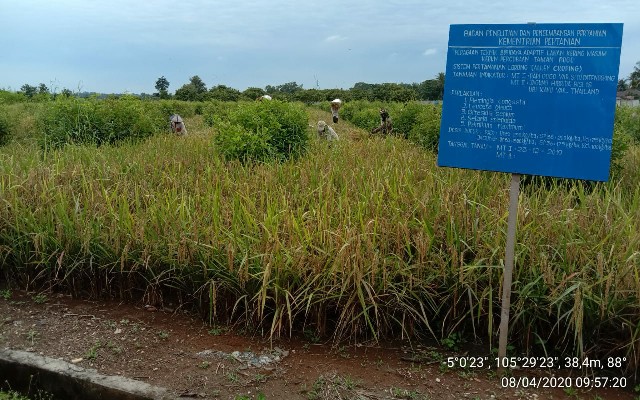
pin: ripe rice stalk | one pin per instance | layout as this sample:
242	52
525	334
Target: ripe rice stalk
365	237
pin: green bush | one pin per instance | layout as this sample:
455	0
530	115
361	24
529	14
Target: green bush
619	146
363	114
93	121
273	129
367	119
627	119
185	109
426	130
215	112
406	118
7	97
237	143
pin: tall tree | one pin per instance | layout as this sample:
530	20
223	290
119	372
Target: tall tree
195	90
622	85
198	84
187	92
634	78
252	93
29	90
429	90
162	86
224	93
289	87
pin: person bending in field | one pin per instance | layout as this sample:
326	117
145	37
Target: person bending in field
386	127
326	132
177	125
335	107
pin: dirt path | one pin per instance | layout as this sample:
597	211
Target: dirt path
175	350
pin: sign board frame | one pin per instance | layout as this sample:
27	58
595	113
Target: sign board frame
534	99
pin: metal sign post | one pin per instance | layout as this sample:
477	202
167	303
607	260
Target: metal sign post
507	275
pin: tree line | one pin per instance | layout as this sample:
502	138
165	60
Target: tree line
196	90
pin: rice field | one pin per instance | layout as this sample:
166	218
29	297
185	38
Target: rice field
362	239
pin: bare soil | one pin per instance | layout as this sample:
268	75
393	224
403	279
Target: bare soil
176	350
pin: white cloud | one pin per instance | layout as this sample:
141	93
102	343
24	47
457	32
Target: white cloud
122	44
334	38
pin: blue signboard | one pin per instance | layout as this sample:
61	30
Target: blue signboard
533	99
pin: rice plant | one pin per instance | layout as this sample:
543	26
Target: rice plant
366	238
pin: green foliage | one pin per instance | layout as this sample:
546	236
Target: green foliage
5	127
363	114
386	92
263	130
29	90
92	353
252	93
453	341
620	145
165	108
7	97
426	130
162	85
420	123
195	90
215	112
634	77
365	239
626	131
224	93
407	118
12	395
627	120
288	88
366	119
237	143
97	122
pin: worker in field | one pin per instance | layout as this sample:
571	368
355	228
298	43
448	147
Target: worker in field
177	125
386	127
335	107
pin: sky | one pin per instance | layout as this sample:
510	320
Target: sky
124	46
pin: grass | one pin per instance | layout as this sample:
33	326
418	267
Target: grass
11	395
92	352
363	239
334	386
32	336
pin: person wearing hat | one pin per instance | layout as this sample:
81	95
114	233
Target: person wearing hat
335	106
386	127
177	125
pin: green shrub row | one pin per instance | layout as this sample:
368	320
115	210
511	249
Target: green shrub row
260	131
256	131
93	121
418	122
